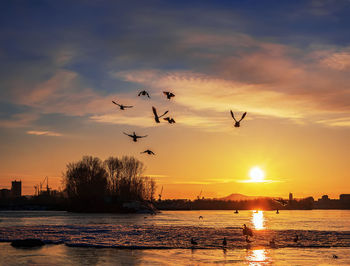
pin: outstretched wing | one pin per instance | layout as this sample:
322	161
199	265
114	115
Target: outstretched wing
233	116
165	93
147	94
164	114
115	103
172	94
128	106
152	152
141	136
154	110
156	117
243	116
127	134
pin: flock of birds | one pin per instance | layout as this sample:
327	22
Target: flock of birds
169	95
247	232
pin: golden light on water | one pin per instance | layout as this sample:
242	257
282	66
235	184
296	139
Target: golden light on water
256	256
258	220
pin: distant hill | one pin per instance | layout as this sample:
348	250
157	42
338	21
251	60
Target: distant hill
238	197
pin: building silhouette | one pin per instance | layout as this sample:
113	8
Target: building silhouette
16	189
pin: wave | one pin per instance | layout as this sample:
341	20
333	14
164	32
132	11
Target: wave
172	237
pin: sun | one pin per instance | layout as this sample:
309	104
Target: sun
256	174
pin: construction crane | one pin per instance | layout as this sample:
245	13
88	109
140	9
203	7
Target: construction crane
36	189
39	188
160	194
199	196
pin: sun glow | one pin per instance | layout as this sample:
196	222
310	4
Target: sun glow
256	174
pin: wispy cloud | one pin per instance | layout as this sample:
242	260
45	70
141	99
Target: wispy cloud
19	120
44	133
260	181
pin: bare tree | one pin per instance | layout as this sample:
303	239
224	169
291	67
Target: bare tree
86	180
91	180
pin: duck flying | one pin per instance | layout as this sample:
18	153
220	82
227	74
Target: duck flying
149	152
156	116
168	94
170	120
237	123
144	93
134	136
121	106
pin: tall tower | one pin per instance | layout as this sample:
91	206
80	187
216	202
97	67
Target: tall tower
290	196
16	189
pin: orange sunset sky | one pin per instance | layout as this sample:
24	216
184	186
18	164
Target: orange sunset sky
287	66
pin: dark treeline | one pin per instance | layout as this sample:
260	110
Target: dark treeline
95	185
215	204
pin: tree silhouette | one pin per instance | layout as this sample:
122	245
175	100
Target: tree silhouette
86	181
90	182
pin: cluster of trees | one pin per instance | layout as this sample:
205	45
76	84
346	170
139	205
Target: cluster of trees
93	182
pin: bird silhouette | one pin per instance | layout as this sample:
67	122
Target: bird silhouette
236	211
193	242
200	217
224	242
335	256
277	211
121	106
149	152
296	238
247	239
170	120
144	93
156	116
237	123
247	231
281	201
169	94
272	243
134	136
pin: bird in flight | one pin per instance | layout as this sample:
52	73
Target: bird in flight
144	93
156	116
247	231
281	201
134	136
170	120
121	106
149	152
237	123
169	94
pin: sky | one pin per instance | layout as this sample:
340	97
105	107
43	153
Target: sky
285	63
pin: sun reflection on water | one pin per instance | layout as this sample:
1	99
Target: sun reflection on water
257	256
258	220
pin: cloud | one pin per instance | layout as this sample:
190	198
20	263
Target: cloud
211	72
258	182
44	133
19	120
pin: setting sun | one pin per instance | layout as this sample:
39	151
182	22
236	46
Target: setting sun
256	174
